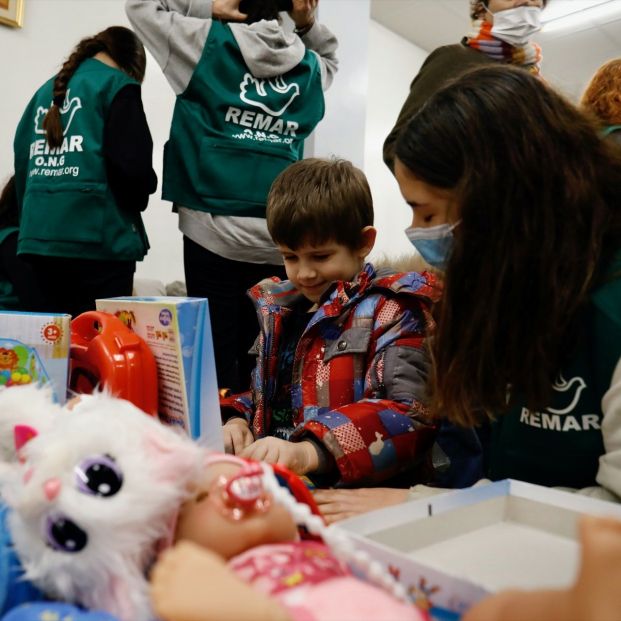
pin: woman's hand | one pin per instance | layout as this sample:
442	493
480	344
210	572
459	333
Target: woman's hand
338	504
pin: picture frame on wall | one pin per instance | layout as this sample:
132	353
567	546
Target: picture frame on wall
12	12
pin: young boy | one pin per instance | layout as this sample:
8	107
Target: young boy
338	390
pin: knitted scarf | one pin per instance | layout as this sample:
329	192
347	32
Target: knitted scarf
481	38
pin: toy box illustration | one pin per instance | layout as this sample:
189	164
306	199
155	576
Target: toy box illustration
178	332
34	348
451	550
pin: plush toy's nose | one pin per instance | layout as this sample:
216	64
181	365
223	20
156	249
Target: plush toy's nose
51	488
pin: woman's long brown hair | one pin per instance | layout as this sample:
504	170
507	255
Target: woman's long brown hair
540	219
120	43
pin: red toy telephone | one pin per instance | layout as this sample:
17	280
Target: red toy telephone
106	353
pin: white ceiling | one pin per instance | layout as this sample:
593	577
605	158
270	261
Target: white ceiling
570	57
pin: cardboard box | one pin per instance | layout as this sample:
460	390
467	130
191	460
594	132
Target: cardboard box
34	347
451	550
178	332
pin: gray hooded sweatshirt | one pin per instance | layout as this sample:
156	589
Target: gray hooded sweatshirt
175	32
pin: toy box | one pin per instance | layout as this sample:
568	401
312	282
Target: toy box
451	550
178	332
34	347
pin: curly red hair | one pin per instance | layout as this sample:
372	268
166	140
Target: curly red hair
602	97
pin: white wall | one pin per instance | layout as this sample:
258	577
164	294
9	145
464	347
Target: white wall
393	63
342	131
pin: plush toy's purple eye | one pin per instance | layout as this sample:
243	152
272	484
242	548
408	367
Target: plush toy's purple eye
99	476
64	535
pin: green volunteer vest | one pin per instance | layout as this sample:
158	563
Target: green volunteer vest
232	134
8	298
67	207
561	445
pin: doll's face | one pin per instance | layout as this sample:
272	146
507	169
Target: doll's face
231	513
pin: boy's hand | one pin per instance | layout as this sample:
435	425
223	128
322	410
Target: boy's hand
299	457
303	13
237	435
227	10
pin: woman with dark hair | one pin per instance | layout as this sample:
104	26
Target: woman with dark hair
249	92
83	174
515	197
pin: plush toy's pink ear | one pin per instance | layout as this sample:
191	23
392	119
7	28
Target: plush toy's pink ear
172	458
22	434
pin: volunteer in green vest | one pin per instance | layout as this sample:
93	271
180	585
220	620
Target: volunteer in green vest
516	198
602	99
83	173
249	93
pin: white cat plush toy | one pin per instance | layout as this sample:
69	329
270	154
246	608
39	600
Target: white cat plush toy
92	496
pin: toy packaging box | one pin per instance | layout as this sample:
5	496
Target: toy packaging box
451	550
34	347
178	332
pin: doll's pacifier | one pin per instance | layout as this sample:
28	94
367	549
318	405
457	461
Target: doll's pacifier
245	492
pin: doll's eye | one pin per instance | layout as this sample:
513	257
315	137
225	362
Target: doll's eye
99	476
64	535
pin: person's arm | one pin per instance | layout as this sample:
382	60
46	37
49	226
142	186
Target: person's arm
609	473
395	433
316	37
175	31
239	405
128	151
20	274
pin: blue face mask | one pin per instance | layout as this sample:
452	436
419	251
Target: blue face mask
434	244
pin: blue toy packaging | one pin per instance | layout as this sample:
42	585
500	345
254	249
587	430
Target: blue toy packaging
178	332
34	347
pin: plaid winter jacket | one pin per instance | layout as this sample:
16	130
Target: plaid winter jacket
359	373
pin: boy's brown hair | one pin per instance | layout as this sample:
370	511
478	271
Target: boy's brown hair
316	201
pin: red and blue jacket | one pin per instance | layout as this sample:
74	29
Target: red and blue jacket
359	383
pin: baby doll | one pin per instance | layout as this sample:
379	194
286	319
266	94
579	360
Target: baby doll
239	557
92	495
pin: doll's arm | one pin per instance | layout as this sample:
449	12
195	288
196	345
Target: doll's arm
191	583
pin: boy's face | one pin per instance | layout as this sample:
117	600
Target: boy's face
312	269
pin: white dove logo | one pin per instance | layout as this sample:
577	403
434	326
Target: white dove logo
67	112
562	385
252	90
